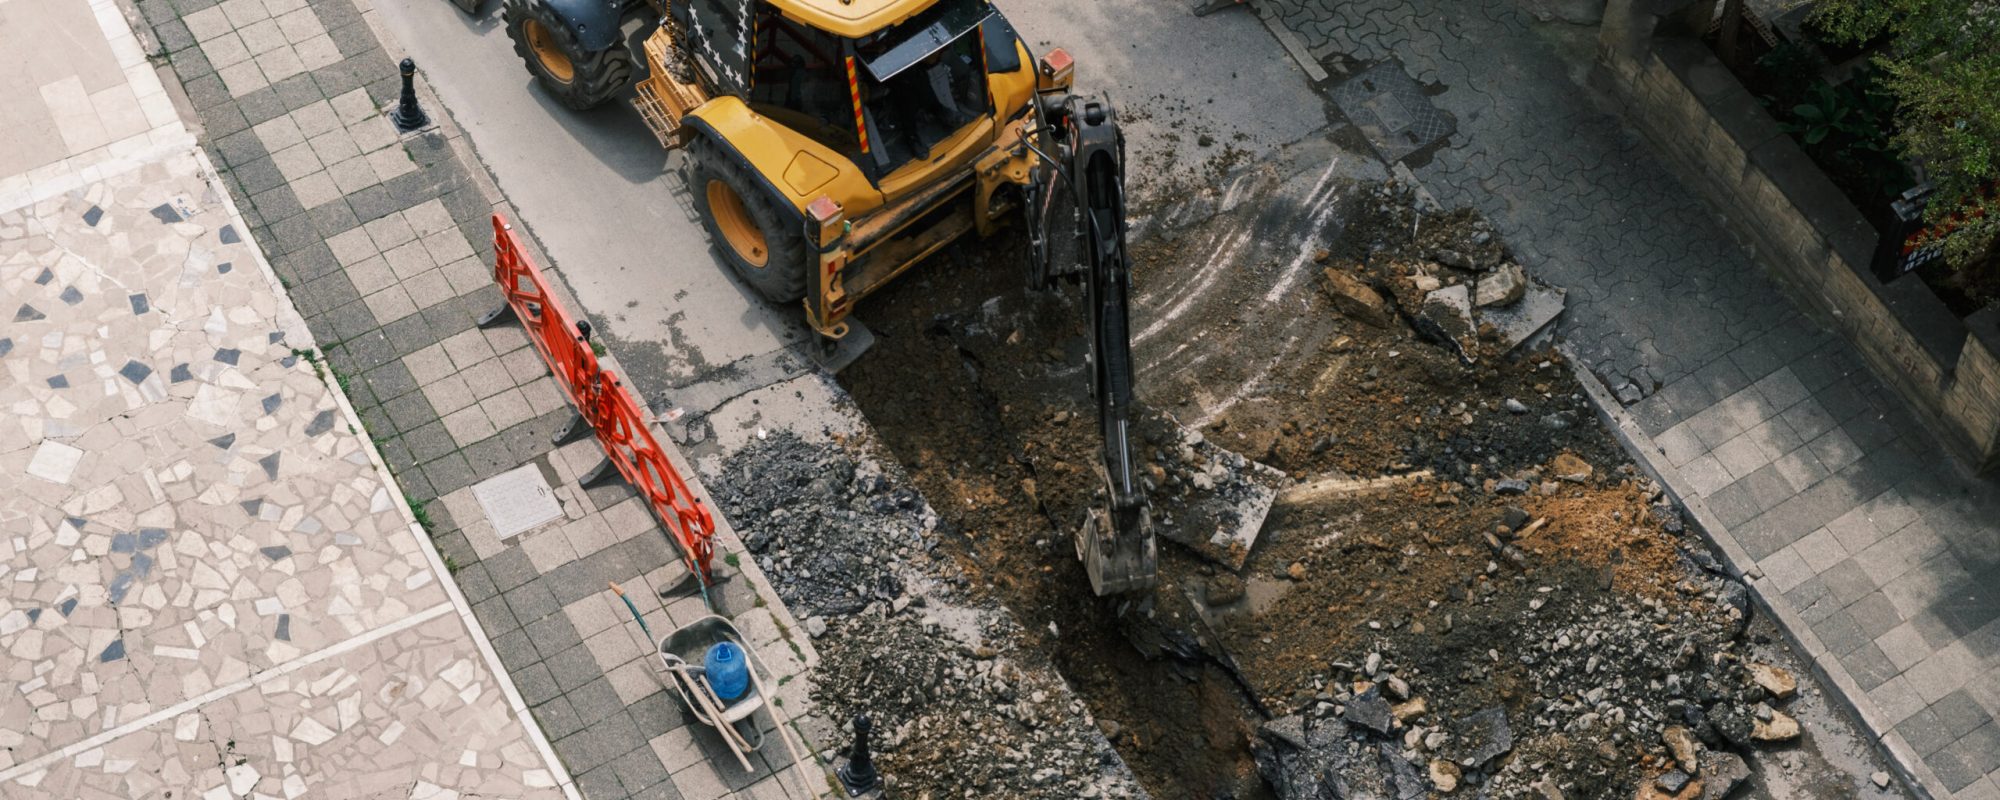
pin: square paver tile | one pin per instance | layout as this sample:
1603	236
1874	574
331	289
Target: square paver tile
595	613
1800	468
1869	667
1808	419
390	304
488	378
1820	550
1786	568
1835	449
468	425
409	259
1895	701
1782	389
548	549
1705	475
429	364
1680	445
1903	646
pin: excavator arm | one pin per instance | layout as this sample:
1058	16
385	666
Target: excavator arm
1087	181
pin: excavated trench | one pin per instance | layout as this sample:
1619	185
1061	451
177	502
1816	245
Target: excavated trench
974	386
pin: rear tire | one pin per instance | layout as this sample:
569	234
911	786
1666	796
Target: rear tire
579	80
755	236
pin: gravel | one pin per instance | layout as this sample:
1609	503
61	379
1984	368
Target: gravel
960	708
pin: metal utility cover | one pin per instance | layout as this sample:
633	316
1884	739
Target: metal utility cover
1391	110
517	501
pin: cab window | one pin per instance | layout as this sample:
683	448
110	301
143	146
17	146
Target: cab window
800	79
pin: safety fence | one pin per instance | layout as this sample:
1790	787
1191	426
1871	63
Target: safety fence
602	401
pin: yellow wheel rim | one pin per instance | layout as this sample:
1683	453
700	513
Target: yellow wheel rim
542	42
738	228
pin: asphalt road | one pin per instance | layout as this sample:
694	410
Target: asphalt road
611	209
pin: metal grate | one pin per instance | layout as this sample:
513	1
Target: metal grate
1391	110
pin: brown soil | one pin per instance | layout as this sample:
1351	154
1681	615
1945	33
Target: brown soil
1371	567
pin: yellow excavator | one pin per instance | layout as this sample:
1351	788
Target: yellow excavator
834	144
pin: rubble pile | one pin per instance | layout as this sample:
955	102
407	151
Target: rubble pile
829	529
958	703
1571	648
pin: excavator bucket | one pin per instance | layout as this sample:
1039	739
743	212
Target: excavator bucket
1118	561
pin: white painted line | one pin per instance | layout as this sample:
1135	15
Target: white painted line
1307	247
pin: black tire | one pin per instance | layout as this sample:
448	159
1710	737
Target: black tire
594	77
782	276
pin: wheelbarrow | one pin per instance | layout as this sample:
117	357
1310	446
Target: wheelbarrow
736	720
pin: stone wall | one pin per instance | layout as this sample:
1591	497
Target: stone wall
1805	231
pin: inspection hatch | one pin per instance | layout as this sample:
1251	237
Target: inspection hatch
517	501
1391	110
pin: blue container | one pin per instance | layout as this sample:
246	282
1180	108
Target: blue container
728	674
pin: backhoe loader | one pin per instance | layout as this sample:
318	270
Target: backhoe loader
834	144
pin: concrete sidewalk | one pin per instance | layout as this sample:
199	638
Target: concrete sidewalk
1874	551
215	587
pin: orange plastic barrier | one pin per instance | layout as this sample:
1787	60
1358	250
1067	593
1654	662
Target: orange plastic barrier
602	401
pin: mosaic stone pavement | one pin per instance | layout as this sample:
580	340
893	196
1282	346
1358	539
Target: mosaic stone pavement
209	587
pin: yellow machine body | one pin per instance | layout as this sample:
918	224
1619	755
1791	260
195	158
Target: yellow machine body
866	231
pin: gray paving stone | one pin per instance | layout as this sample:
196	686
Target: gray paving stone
333	218
408	335
662	791
348	321
596	700
511	569
535	683
297	92
657	713
429	441
474	581
390	381
640	769
1733	505
552	633
557	718
514	648
574	668
1841	634
600	782
1925	733
532	602
1869	667
1846	582
450	473
258	106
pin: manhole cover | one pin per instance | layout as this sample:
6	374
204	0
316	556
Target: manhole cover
517	501
1391	110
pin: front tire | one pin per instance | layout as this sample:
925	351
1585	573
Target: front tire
579	80
755	237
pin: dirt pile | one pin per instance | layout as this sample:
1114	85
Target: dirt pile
1580	625
960	706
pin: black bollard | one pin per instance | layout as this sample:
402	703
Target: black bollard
409	116
858	775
